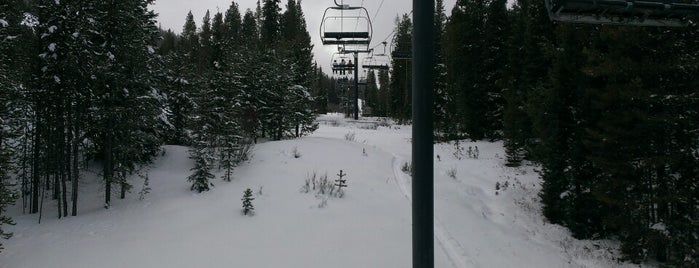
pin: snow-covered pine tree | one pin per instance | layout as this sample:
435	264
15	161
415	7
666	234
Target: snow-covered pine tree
441	97
401	82
248	208
202	176
130	104
7	196
233	24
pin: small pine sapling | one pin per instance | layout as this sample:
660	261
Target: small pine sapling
458	150
248	208
340	183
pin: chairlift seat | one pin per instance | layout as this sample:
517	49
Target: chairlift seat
346	35
400	55
345	42
375	66
627	12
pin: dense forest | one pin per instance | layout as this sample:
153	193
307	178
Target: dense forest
97	82
609	114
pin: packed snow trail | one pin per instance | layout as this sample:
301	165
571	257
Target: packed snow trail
475	224
449	245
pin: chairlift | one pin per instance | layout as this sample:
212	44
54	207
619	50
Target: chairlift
378	61
341	63
671	13
399	55
345	25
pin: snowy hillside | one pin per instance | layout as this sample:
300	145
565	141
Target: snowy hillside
487	215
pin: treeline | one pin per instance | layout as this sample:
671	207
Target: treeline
97	82
236	77
610	113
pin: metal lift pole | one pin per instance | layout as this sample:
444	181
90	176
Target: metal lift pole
356	86
423	149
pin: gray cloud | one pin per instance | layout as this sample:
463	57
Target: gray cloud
172	14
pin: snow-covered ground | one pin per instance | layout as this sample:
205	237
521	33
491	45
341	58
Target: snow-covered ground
475	224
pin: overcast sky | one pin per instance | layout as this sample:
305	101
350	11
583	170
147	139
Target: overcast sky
172	14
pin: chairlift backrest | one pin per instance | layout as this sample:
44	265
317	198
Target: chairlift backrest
346	25
672	13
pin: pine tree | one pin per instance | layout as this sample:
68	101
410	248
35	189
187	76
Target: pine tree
204	58
248	208
382	107
642	80
371	94
475	38
340	183
270	27
7	79
401	83
233	24
441	97
201	178
530	42
465	46
132	108
219	41
249	31
189	41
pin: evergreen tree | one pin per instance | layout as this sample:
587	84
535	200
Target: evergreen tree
233	23
7	83
201	178
441	97
218	39
249	31
128	126
189	38
530	42
465	46
642	80
371	93
475	38
401	74
270	25
382	107
340	183
298	43
562	117
206	51
247	202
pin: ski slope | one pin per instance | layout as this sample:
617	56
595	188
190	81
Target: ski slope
475	225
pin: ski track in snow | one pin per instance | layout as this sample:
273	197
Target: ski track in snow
451	247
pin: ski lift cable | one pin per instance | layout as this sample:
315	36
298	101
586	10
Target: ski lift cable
359	13
377	11
390	34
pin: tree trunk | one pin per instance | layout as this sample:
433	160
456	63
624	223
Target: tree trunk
74	180
34	207
108	158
